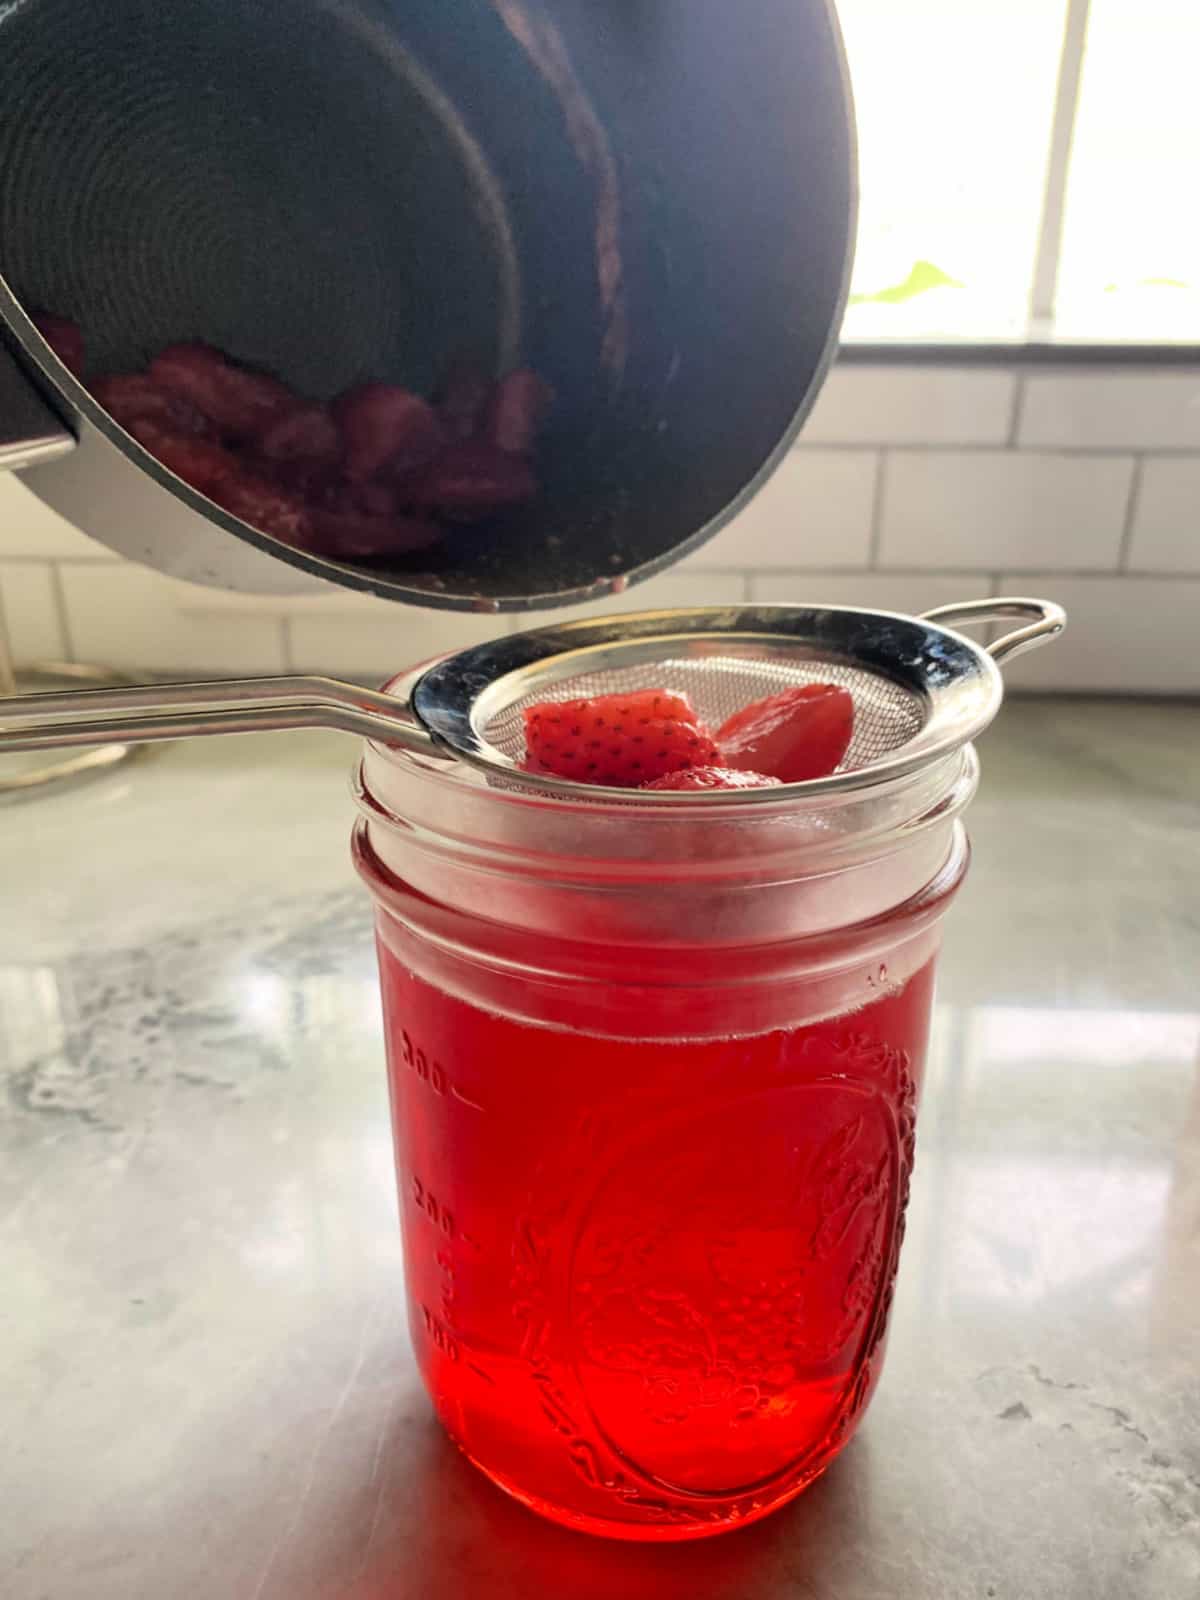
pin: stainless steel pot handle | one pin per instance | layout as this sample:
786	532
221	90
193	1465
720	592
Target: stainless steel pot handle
1047	622
30	431
190	710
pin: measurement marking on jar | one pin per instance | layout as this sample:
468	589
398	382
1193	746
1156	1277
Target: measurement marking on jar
426	1068
430	1071
440	1215
440	1334
459	1095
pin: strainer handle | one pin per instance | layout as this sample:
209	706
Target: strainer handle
151	712
1047	621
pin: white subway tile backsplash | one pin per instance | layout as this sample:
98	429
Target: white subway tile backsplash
1166	526
1138	409
990	509
121	615
815	511
29	610
381	638
29	528
913	405
205	600
910	593
905	493
678	588
1124	635
373	639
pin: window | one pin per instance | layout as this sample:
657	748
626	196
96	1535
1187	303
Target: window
1130	262
1028	170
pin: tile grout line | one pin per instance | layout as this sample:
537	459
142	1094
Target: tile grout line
877	493
949	570
999	447
995	587
7	653
23	558
1137	574
59	591
1018	411
1125	547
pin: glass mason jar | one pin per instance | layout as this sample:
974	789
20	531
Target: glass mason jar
654	1073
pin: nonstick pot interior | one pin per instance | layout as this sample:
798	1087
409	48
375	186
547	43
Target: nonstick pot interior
649	201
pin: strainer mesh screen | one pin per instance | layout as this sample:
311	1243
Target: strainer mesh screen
887	714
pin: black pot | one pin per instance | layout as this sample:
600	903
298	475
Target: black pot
649	201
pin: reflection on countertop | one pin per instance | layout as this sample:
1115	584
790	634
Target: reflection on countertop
205	1383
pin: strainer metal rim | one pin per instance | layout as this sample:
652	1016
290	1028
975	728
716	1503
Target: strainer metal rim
957	678
946	668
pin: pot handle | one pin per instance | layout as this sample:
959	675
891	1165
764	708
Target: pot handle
1046	622
30	432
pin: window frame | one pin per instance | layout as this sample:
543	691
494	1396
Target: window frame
1040	346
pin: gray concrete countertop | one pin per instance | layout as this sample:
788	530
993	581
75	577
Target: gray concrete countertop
206	1391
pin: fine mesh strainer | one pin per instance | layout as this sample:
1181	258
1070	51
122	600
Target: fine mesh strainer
888	714
920	689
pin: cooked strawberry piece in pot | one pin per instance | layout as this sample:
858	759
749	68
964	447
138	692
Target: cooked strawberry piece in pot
308	434
516	409
239	403
372	474
199	462
359	536
461	399
386	427
265	507
317	483
215	472
472	480
131	397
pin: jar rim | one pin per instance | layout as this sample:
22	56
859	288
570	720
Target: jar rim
523	950
938	795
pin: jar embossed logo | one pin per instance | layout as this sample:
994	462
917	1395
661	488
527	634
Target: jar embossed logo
723	1268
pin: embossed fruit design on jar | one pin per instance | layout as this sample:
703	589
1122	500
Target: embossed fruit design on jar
654	1075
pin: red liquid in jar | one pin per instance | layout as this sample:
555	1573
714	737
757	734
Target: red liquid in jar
649	1281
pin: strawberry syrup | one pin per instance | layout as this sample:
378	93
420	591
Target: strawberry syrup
649	1281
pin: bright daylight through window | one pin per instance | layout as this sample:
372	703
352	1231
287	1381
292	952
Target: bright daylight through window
1028	170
